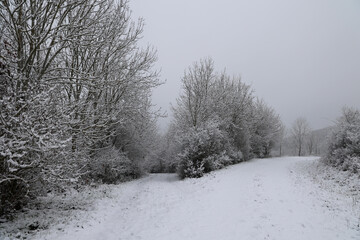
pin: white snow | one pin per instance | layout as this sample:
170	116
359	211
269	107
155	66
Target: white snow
261	199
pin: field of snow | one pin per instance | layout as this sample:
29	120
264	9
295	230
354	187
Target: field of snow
280	198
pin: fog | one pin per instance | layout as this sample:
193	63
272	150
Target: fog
301	57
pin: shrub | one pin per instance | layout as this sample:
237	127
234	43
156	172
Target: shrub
190	166
203	150
217	161
13	195
344	145
112	166
236	157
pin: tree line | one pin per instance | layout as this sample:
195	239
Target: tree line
217	121
75	95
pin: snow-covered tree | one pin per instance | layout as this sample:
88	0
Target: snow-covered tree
267	127
33	34
192	108
244	127
72	76
233	103
299	133
109	78
312	143
344	144
281	143
163	157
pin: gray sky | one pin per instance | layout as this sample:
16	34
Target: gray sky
301	56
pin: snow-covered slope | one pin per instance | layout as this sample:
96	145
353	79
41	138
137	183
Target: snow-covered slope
260	199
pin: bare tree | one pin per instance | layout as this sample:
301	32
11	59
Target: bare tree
299	132
109	80
281	139
193	104
312	143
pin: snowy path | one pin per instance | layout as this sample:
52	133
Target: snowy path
260	199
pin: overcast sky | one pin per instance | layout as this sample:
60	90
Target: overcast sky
301	56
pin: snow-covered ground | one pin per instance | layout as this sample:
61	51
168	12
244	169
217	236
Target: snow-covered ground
280	198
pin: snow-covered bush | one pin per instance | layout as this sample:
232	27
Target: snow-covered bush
236	156
190	166
344	144
112	166
13	195
203	150
29	140
217	161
